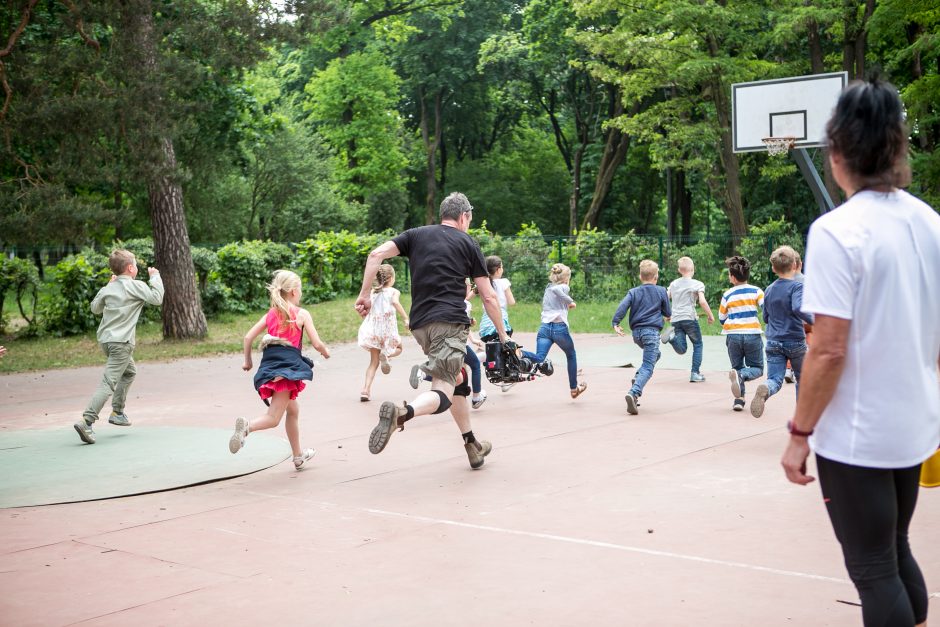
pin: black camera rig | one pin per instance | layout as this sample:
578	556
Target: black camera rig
505	363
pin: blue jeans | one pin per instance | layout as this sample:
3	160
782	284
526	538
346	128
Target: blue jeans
777	355
689	329
746	352
474	362
557	333
646	338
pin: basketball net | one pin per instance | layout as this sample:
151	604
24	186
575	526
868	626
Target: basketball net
778	145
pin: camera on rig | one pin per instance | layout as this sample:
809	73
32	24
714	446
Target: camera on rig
505	363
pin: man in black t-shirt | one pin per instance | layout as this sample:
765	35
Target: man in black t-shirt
442	257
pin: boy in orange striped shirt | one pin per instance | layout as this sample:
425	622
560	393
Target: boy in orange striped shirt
738	314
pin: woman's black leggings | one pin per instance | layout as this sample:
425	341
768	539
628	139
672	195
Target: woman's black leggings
871	510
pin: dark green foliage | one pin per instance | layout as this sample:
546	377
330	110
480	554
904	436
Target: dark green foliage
331	264
76	280
19	279
246	269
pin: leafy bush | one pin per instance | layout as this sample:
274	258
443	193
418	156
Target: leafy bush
142	248
762	241
246	268
20	278
331	264
525	258
76	280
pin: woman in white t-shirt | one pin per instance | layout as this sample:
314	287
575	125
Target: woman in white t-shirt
869	403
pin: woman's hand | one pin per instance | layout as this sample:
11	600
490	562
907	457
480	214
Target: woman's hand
794	460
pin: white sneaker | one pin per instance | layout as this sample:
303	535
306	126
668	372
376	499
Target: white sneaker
735	383
304	456
666	336
414	379
505	387
383	362
788	376
478	401
237	441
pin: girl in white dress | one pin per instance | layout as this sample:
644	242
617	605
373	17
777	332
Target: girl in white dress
378	332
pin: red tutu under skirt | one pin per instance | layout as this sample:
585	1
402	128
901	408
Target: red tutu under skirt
268	389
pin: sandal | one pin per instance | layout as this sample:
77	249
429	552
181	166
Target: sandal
578	391
363	397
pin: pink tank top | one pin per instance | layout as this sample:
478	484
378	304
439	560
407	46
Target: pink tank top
292	333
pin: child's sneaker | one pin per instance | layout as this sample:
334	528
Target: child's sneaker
120	420
788	376
735	384
476	451
383	362
757	403
478	401
85	432
738	404
666	336
415	377
304	456
696	377
237	441
631	404
505	387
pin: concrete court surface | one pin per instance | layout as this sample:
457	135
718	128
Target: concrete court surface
582	515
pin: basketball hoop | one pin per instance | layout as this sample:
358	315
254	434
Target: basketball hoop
779	145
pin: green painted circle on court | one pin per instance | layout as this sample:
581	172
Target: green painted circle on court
44	467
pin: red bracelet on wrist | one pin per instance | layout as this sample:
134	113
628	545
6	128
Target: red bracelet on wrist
794	431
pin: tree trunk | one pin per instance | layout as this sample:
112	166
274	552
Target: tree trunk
855	39
684	204
915	32
615	151
182	313
575	197
861	40
816	60
730	192
431	146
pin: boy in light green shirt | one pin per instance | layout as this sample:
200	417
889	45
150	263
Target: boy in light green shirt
119	303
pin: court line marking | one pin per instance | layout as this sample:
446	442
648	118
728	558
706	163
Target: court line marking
594	543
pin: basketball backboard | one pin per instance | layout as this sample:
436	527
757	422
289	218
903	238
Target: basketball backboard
798	107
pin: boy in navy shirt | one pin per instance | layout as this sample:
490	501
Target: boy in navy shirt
786	338
648	304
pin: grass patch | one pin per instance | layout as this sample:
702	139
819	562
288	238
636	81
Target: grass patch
336	322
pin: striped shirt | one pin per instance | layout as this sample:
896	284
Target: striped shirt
738	310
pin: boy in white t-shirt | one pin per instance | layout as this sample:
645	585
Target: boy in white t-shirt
685	292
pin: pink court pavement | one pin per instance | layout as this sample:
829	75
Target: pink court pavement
582	514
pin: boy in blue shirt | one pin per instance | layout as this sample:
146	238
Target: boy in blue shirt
786	338
648	304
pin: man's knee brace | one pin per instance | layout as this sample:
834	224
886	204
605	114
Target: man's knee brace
445	403
463	389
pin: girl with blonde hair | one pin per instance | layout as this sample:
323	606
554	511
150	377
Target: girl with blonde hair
378	332
554	330
283	369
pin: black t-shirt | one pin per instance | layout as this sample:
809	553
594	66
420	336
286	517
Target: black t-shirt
442	258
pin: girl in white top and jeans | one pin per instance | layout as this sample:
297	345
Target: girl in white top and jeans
869	404
554	330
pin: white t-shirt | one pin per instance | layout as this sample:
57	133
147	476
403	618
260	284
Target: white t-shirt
874	261
684	293
500	286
